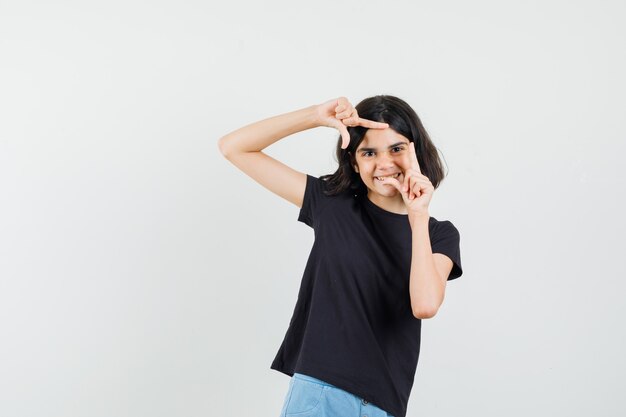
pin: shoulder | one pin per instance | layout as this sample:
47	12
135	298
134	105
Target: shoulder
316	190
318	196
325	185
320	182
442	227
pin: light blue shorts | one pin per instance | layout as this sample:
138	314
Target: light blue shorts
311	397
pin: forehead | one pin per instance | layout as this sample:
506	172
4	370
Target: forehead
381	138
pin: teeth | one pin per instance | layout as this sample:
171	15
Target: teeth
388	176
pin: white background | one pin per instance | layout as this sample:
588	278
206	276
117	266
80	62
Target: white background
141	274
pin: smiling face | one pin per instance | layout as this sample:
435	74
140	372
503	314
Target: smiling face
382	153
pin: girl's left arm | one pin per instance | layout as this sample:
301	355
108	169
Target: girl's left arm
429	272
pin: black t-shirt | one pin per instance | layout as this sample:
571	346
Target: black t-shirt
353	325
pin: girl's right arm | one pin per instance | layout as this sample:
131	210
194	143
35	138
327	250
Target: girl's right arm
244	146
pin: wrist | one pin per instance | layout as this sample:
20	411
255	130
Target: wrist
313	116
417	218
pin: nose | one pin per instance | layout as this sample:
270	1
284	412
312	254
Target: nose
384	161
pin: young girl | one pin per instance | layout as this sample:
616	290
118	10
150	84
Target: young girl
379	263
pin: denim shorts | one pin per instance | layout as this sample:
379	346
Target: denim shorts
311	397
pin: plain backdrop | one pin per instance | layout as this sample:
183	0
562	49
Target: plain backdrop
141	274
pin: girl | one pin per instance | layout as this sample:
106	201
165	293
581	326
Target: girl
379	263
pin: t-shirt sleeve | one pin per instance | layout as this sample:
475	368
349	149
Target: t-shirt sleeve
313	202
446	240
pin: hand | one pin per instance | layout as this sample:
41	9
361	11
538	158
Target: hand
339	113
416	189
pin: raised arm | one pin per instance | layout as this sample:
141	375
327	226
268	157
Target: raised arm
244	146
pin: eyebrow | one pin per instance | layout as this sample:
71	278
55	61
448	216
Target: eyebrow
389	147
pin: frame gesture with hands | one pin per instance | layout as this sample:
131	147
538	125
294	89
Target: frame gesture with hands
416	189
340	113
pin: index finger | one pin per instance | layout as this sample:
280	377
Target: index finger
414	164
372	124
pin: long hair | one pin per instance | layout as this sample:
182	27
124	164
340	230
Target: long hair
401	118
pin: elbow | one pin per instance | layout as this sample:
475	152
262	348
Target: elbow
424	313
222	145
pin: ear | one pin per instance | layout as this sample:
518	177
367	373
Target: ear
356	168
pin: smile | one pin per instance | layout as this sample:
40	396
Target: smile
396	175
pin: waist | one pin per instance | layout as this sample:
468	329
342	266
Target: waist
311	379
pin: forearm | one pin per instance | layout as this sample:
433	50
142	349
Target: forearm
425	286
259	135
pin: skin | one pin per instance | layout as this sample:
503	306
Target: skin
386	152
340	114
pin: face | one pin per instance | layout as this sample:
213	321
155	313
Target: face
382	152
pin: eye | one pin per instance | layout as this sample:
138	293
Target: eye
367	153
398	149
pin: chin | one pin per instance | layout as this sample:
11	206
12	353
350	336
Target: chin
388	191
391	193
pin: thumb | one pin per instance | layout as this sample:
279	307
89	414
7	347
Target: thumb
345	135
